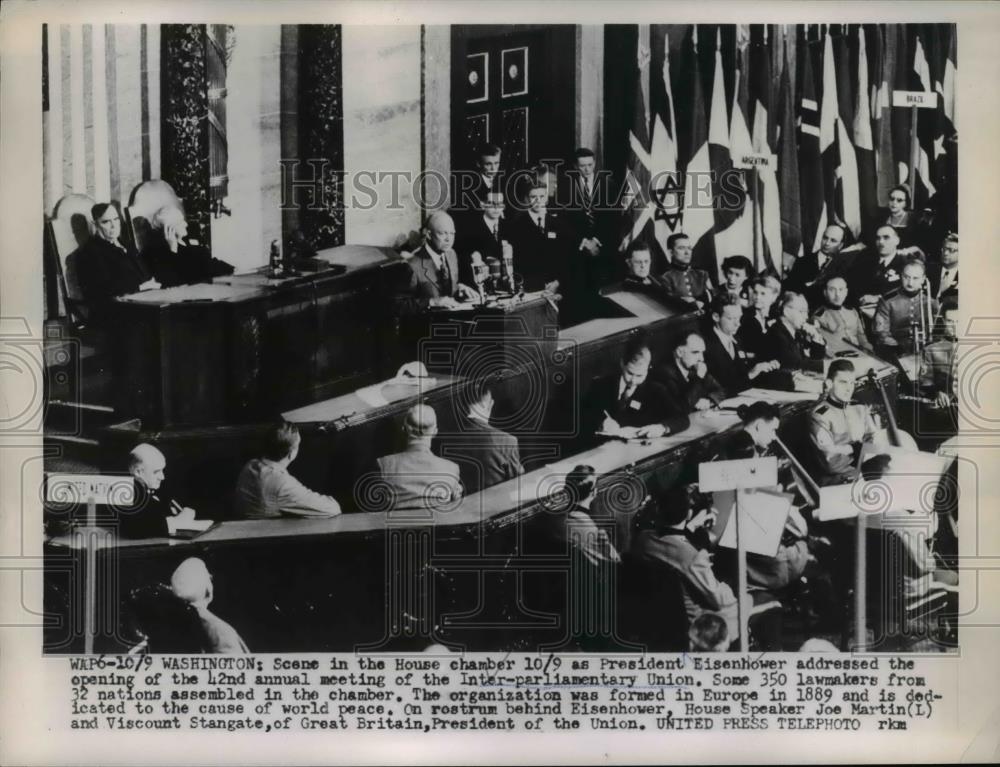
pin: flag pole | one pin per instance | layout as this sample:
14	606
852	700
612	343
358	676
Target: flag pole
914	149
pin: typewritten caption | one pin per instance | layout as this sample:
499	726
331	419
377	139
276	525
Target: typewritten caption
519	693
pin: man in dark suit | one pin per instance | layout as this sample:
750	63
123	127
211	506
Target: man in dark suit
943	276
173	259
763	292
793	342
471	186
106	268
432	280
687	379
628	404
591	220
727	361
540	239
871	278
638	264
810	272
152	514
483	232
485	454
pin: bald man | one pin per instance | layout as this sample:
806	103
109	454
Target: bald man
192	583
793	342
432	280
416	478
686	377
152	513
872	277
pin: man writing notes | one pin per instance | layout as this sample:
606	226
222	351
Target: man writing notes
839	431
266	489
687	379
727	361
629	404
433	274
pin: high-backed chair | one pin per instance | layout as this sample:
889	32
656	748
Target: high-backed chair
146	200
68	229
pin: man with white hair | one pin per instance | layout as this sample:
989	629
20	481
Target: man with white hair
152	514
192	583
174	259
792	341
432	280
416	478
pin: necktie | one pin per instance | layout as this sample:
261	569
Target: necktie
541	222
445	275
496	232
626	395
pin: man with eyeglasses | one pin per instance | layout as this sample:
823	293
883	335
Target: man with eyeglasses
108	268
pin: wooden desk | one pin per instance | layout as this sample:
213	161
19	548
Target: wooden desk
400	580
247	346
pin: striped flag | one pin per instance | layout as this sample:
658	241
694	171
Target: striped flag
768	195
788	170
810	160
734	235
923	189
862	133
637	172
842	201
699	215
885	160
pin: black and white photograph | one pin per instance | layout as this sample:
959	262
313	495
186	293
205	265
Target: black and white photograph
403	375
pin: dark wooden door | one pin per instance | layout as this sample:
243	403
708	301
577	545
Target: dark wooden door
514	86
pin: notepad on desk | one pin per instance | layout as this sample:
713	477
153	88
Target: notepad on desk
190	528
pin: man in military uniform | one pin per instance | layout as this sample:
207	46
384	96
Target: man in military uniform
681	280
838	430
898	312
840	326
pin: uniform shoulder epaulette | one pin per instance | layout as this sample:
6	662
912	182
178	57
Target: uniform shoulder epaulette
892	293
819	311
821	409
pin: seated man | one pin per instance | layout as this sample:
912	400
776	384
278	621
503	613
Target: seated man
842	328
416	478
898	313
943	276
638	263
670	543
683	281
758	317
580	530
486	455
627	404
106	268
792	341
872	276
433	279
174	260
687	379
266	489
937	419
839	431
727	361
152	514
192	583
810	272
736	270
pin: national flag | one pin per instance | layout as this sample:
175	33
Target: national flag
667	186
699	213
810	160
735	230
767	195
842	204
862	133
788	170
927	127
885	159
637	172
